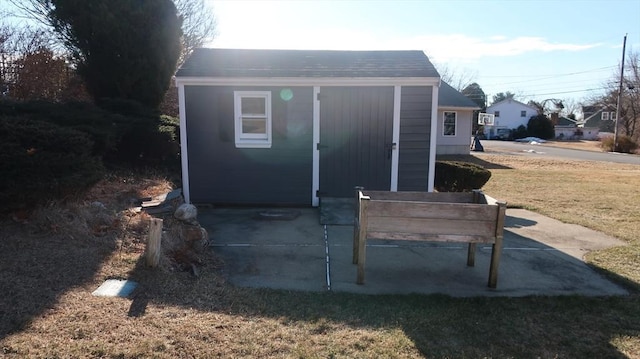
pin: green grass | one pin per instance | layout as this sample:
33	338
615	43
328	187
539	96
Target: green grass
175	315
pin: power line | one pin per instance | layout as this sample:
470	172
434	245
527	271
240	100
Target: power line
554	75
549	77
562	92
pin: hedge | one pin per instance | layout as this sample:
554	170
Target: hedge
124	133
457	176
40	161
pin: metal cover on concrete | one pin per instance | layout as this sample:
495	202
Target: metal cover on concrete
115	288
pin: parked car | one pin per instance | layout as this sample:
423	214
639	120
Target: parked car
503	134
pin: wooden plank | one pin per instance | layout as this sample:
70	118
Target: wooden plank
154	247
362	242
471	255
424	237
458	211
356	239
497	246
452	197
484	228
356	224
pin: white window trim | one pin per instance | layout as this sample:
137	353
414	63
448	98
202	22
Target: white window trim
605	116
252	140
612	116
455	123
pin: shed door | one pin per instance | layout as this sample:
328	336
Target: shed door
356	125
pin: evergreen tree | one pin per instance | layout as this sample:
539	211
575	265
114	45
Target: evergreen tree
540	126
123	49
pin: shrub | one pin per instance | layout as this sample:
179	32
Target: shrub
540	126
145	137
147	141
625	144
456	176
82	116
124	133
40	161
520	132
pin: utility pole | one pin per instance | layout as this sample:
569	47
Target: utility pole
615	131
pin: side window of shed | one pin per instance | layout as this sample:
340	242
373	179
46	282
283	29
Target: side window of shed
252	111
449	125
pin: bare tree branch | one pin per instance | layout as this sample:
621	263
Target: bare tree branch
198	25
458	79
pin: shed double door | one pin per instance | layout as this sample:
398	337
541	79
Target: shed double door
356	132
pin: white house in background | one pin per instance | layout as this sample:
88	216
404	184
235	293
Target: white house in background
455	121
509	114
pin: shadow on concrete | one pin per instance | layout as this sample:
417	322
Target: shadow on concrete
518	222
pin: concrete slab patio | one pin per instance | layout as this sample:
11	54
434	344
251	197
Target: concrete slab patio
291	250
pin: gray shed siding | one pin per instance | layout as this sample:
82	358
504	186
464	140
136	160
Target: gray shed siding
221	173
415	134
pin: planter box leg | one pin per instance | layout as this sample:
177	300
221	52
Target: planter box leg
471	255
495	263
362	245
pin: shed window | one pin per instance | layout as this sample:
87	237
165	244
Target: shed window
497	114
449	124
253	118
605	116
523	113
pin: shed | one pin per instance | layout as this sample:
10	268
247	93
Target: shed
286	127
455	121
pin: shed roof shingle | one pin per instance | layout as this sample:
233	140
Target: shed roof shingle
450	97
206	62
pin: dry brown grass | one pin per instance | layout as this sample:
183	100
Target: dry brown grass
47	277
577	145
598	195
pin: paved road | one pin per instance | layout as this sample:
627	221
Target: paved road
542	150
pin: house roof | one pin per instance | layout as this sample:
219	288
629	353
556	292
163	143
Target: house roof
566	121
511	100
593	116
205	62
450	97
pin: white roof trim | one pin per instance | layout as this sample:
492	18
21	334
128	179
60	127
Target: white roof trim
308	81
458	108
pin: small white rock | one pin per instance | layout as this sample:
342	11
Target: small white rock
186	212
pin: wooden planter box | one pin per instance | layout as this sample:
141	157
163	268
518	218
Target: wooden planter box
469	217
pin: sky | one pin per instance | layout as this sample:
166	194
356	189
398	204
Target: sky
543	49
538	50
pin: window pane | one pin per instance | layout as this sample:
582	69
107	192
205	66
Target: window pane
254	125
253	106
449	128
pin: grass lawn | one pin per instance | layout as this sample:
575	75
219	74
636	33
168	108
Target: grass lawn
50	265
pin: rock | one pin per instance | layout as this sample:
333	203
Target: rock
187	213
195	237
